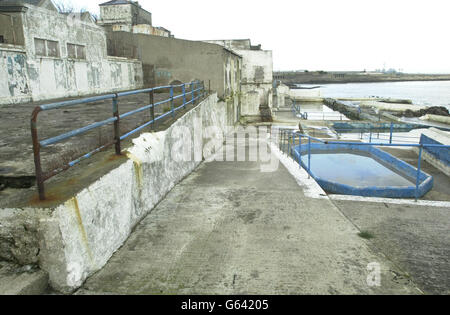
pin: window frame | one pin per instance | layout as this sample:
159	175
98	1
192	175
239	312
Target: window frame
76	50
47	50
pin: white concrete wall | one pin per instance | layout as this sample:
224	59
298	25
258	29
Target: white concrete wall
440	136
78	237
14	86
256	76
305	93
282	93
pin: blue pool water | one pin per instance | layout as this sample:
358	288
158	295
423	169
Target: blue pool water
354	170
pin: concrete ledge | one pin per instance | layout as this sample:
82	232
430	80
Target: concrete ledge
440	158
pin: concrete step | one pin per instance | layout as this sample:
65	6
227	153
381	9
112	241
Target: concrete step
17	280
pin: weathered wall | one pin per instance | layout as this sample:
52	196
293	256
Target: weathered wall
116	14
149	30
124	15
299	94
256	75
77	238
11	28
168	59
257	69
281	93
36	77
13	75
438	157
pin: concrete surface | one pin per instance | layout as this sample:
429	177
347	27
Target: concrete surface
228	228
16	280
415	237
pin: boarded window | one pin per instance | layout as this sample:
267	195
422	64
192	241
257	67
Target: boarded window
52	48
39	45
71	51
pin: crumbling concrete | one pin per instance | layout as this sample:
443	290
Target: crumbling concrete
17	280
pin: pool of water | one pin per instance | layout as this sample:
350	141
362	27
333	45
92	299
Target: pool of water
355	170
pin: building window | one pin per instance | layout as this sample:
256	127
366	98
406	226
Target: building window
52	49
46	48
76	51
2	39
39	44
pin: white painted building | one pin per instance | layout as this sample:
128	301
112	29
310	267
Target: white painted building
45	55
129	16
256	77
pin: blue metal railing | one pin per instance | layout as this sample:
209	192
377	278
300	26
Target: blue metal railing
195	91
287	142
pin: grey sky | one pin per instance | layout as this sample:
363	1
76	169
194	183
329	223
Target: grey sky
318	34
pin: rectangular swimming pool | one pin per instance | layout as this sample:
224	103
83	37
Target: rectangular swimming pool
355	170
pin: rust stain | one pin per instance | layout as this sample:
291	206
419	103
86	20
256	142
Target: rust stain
76	208
51	199
137	168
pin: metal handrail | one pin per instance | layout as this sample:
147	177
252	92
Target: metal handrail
196	91
290	136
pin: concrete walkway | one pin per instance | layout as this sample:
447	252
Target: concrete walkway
228	228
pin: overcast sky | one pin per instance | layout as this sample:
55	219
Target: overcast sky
318	34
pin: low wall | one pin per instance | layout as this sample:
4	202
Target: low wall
437	118
440	158
356	127
77	238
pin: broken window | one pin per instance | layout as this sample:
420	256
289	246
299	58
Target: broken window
39	45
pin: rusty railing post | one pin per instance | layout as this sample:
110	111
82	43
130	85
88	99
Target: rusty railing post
152	109
116	124
37	154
